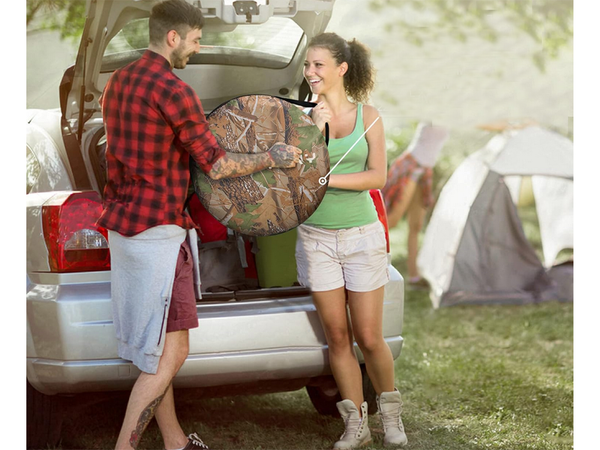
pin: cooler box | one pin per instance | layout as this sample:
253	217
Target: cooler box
276	260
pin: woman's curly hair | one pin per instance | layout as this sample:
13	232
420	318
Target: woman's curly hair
360	77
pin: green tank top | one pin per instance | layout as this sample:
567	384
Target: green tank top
341	208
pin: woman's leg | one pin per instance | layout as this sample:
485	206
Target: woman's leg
415	216
396	211
366	313
331	307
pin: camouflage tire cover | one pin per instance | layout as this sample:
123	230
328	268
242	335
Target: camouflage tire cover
274	200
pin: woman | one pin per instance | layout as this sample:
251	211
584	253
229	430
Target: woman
341	249
408	190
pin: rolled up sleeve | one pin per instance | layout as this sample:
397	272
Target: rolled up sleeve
186	116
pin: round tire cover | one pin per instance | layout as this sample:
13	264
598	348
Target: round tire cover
271	201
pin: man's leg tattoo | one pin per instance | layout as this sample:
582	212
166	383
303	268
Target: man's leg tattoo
145	418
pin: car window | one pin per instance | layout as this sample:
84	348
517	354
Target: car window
270	44
33	169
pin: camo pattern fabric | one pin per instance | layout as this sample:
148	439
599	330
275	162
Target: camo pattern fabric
271	201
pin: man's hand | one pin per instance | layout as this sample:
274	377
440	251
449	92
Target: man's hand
284	156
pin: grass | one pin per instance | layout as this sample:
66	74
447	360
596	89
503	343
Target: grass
487	377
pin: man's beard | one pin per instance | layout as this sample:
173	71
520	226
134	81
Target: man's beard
179	59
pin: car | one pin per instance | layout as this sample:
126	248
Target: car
261	336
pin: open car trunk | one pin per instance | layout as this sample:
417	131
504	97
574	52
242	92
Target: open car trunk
250	47
257	49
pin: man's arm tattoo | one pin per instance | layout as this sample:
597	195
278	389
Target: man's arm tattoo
145	418
239	164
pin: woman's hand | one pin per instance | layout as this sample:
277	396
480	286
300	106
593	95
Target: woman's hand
320	115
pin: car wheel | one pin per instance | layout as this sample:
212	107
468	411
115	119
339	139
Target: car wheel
44	419
325	394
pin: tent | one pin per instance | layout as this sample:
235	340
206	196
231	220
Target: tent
475	250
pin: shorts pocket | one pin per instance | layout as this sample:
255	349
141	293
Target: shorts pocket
377	240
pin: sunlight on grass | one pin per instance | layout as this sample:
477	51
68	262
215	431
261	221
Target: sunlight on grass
487	376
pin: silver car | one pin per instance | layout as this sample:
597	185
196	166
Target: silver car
262	337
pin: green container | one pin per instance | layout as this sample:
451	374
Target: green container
276	260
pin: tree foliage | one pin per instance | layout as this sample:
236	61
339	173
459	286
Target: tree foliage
548	22
66	16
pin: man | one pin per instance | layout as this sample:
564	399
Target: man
154	122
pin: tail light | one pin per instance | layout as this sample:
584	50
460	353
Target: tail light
75	243
381	214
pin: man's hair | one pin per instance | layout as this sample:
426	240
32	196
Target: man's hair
176	15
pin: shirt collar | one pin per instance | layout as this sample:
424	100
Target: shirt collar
157	59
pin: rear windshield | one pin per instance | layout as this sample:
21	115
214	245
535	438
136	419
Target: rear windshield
271	44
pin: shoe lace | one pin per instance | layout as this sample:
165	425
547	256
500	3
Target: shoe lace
391	419
197	441
352	426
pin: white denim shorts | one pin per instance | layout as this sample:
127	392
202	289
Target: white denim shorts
352	257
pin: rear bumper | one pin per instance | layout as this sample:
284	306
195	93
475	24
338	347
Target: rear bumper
207	370
71	344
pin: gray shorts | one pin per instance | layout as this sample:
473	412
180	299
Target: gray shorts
144	269
353	257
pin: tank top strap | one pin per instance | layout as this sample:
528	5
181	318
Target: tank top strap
360	123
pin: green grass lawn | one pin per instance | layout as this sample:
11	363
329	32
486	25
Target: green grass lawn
496	377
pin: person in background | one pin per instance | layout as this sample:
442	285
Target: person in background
341	249
408	189
154	122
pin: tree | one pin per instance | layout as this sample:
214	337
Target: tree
548	22
66	16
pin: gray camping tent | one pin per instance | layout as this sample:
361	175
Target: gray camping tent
474	249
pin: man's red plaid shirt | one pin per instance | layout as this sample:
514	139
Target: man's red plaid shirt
154	122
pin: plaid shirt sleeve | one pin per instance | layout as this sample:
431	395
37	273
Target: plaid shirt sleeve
186	117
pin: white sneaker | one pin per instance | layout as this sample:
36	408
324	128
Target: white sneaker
389	405
357	431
